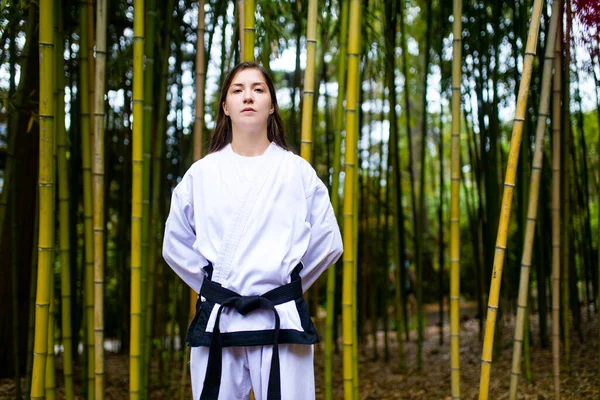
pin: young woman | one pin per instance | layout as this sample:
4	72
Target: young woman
250	229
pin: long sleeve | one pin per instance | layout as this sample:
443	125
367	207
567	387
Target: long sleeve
325	246
179	241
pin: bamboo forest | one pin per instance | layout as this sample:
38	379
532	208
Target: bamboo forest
459	143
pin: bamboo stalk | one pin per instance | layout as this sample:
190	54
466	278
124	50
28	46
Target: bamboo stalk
31	324
407	108
87	198
98	189
355	391
46	186
349	183
509	183
241	16
567	191
157	178
10	187
454	201
63	208
136	201
50	381
421	222
148	229
309	82
556	225
335	200
249	22
536	176
200	78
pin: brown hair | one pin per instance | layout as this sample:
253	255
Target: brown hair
222	134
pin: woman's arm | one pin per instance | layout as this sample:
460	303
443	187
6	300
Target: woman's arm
179	240
325	246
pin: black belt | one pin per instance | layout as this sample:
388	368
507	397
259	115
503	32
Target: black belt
215	293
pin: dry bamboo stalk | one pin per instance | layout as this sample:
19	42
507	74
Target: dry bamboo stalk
509	184
533	202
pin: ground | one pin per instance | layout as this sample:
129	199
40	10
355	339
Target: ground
383	381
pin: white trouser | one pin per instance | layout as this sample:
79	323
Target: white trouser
249	367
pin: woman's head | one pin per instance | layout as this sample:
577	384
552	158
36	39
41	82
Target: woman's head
234	100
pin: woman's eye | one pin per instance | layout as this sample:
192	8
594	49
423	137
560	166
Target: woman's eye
236	90
260	90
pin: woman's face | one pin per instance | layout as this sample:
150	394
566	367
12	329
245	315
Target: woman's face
248	102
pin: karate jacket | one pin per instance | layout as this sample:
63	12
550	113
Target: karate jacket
250	224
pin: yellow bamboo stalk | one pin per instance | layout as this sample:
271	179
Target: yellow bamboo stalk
349	183
63	209
87	198
309	82
356	201
509	184
46	190
248	30
136	201
556	162
335	200
50	384
98	176
536	175
455	203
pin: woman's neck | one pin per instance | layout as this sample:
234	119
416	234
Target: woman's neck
250	144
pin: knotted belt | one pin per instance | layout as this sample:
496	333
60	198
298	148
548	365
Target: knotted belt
215	293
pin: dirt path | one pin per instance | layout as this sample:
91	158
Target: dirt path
383	381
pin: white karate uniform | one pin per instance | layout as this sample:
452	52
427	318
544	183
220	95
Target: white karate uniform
255	219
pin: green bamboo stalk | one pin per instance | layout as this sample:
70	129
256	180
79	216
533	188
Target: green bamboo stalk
411	163
146	167
355	388
98	189
50	381
395	180
10	186
84	83
335	200
349	183
420	224
200	79
454	201
567	191
136	201
31	326
30	41
556	224
63	207
46	185
309	82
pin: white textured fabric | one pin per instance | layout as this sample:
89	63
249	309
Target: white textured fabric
292	221
248	367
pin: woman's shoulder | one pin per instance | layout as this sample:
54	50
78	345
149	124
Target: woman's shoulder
305	170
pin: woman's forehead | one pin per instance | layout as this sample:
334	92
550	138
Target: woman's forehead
248	76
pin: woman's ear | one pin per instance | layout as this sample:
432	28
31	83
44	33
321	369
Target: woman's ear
225	109
272	110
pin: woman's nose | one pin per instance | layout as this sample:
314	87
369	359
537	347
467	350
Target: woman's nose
248	97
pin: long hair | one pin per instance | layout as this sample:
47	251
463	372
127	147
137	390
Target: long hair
221	136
